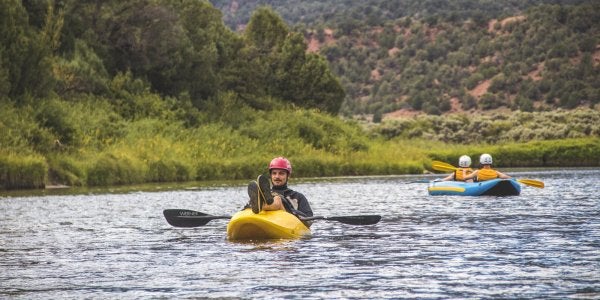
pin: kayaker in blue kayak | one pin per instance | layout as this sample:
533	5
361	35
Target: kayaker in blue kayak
464	164
279	196
486	172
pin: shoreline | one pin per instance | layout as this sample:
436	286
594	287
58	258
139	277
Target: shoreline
57	190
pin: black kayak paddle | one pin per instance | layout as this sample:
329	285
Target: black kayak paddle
190	218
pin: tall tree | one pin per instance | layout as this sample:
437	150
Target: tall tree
24	57
266	30
287	71
146	38
212	47
305	79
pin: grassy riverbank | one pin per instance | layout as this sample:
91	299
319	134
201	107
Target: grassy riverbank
86	143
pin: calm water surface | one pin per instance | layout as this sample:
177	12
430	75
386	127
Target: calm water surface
544	243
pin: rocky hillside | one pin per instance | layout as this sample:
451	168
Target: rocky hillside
405	57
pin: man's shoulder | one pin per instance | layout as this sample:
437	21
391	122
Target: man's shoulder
290	191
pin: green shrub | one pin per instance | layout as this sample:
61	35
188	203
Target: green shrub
552	153
66	170
109	169
56	116
22	171
496	128
165	170
243	168
21	132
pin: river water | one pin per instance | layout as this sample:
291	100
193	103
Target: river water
544	243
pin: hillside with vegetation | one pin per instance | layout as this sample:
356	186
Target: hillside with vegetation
350	14
124	92
398	57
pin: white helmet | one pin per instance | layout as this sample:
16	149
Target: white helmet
464	161
485	159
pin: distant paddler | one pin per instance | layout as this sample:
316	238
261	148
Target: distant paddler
463	170
486	172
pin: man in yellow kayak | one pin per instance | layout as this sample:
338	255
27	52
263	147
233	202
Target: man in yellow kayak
278	197
464	164
486	172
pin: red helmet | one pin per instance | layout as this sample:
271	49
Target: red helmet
281	163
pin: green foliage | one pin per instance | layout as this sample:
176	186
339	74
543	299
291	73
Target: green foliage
5	84
352	15
212	47
20	130
111	169
279	58
146	38
18	171
162	170
84	73
305	79
24	54
550	153
104	93
66	170
489	101
231	110
89	122
56	116
496	128
266	30
299	130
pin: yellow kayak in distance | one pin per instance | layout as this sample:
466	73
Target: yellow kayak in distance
266	225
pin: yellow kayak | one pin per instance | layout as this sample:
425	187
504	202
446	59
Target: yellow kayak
266	225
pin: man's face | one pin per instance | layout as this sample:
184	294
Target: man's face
279	177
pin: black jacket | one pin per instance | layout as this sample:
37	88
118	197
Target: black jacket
291	197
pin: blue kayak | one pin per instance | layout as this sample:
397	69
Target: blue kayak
494	187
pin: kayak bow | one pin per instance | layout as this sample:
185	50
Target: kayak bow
266	225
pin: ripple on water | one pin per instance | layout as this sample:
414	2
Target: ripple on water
544	243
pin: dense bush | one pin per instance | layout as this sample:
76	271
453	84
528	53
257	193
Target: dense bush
496	128
22	171
111	169
551	153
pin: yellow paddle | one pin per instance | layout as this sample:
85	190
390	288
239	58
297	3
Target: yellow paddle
444	167
532	182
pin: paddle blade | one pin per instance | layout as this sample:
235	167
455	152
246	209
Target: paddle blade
532	182
358	220
188	218
351	220
442	166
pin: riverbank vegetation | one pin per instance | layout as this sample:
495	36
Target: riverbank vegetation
86	143
495	128
96	94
